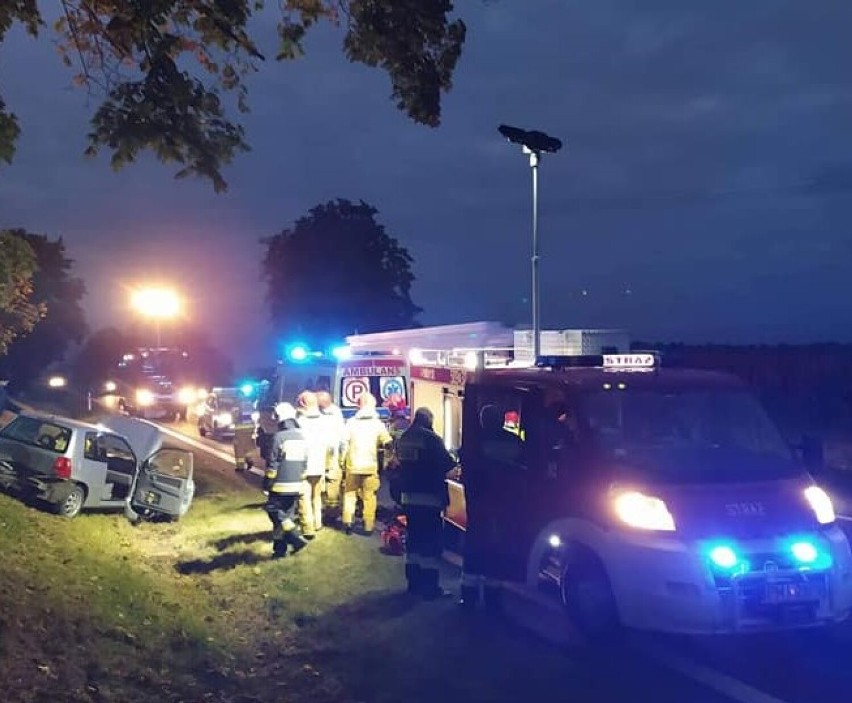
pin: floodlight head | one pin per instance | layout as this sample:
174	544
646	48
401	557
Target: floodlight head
535	140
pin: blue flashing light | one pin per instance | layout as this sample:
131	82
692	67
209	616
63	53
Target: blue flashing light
804	552
724	556
809	554
298	352
247	389
341	353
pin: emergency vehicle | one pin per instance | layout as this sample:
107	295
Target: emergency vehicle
154	383
657	499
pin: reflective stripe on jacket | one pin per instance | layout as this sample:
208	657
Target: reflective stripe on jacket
288	460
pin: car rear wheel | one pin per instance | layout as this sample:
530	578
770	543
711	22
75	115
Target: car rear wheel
72	504
587	597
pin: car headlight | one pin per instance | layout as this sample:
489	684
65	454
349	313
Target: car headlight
821	504
144	397
110	387
643	512
186	396
224	419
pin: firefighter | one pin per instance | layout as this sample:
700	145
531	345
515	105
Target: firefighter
424	465
365	433
487	474
312	424
288	461
335	430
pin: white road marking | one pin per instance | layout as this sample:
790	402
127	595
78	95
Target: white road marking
213	451
711	678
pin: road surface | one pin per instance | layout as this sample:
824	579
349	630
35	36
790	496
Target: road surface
799	667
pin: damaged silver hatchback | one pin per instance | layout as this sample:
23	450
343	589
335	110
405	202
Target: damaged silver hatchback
118	463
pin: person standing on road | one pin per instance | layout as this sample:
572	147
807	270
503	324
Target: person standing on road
335	429
365	433
486	472
312	424
424	465
283	481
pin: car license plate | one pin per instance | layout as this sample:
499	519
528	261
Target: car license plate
791	592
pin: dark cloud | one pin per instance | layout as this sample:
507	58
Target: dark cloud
702	192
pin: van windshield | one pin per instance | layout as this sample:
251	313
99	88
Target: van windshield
721	419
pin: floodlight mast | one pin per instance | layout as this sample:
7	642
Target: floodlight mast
533	143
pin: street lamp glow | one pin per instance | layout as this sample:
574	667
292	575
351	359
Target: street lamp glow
160	303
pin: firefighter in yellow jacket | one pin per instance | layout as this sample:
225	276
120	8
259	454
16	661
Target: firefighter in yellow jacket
365	434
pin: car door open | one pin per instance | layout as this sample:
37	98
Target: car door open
164	485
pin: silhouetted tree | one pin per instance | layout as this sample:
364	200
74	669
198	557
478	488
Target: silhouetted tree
337	272
18	313
63	324
164	67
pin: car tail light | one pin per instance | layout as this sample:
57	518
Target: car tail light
62	467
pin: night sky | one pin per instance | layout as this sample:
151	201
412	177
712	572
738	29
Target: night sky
703	193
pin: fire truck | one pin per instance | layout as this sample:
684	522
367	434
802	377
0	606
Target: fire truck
154	383
442	360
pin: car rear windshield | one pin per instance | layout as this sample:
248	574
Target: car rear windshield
38	433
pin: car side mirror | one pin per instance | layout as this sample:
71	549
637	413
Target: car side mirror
812	451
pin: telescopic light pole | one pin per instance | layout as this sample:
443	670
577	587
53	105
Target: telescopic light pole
534	144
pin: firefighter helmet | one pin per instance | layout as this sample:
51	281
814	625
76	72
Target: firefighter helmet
307	401
284	411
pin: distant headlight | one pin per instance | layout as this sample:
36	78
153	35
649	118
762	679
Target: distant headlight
224	419
186	396
57	382
110	387
144	397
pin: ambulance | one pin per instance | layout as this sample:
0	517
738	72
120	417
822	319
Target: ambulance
656	498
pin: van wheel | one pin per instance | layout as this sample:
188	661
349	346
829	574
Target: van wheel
72	504
586	595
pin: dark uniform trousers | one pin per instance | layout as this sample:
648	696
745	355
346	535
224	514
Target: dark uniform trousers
424	542
282	513
481	577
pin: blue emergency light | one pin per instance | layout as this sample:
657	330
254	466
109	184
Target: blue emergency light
341	353
247	389
298	352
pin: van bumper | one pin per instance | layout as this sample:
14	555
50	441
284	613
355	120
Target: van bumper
669	585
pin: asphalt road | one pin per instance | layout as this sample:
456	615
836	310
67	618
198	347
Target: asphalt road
797	667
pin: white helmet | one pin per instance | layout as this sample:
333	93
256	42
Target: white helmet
284	411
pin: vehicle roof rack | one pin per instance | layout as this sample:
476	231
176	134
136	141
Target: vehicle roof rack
638	360
468	358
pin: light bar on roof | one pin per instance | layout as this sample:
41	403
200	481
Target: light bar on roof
643	360
638	360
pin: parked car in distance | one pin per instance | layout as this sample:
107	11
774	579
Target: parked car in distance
115	464
222	411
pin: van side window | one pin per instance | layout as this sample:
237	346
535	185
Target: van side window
500	413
